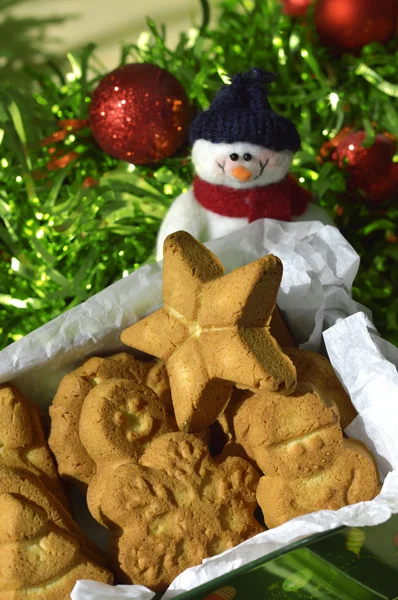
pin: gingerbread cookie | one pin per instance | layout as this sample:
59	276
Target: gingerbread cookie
293	435
22	440
175	508
278	421
352	477
118	420
73	461
213	331
42	551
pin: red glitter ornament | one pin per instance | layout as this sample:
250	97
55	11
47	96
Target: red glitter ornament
140	113
296	8
348	25
372	169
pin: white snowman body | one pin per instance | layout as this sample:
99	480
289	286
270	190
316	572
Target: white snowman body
240	166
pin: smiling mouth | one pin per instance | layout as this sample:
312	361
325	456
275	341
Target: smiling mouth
262	169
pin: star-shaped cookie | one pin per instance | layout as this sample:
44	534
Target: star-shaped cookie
213	331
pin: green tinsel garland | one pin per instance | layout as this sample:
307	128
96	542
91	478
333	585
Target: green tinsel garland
61	242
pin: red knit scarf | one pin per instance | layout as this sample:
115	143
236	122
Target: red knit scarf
276	201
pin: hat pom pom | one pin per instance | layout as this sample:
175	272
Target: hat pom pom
246	90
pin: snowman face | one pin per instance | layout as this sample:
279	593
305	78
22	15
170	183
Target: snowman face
239	165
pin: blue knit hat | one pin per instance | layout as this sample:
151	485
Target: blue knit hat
240	112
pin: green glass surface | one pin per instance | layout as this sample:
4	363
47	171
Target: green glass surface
343	564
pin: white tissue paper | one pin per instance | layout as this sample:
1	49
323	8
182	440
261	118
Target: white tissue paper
319	268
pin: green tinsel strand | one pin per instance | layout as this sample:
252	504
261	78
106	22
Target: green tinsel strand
60	242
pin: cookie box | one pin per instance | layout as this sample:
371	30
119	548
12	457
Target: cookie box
347	553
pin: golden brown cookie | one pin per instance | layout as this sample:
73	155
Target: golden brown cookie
316	371
118	420
201	435
22	441
176	508
280	331
278	421
294	435
213	331
42	551
73	461
38	559
352	477
230	432
151	373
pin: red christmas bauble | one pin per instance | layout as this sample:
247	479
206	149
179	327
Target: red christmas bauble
348	25
371	169
296	8
140	113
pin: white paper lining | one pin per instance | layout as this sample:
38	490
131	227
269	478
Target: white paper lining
319	268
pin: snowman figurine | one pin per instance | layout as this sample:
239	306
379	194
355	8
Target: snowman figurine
242	151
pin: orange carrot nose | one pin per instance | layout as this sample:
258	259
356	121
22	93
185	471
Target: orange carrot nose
242	174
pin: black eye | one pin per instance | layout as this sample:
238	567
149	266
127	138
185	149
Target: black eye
234	156
247	156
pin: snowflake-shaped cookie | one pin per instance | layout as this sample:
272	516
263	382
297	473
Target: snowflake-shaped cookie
175	508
